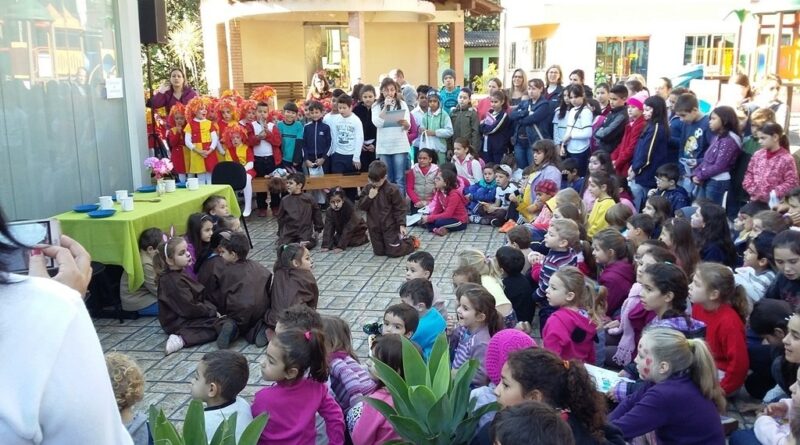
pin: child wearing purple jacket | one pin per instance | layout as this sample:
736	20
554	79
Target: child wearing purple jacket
349	380
684	401
713	174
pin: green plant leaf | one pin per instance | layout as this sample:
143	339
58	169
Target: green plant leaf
194	426
439	353
253	431
396	386
416	374
442	378
439	416
226	432
162	430
409	429
459	395
423	400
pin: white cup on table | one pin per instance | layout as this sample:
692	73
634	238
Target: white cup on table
127	204
106	203
121	194
192	183
169	185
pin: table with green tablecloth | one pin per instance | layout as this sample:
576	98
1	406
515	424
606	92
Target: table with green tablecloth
115	240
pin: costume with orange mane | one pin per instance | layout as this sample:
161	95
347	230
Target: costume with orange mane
227	104
242	153
176	141
200	135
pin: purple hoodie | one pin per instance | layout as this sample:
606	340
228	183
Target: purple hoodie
617	277
570	334
720	157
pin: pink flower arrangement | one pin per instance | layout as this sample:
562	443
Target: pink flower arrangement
159	167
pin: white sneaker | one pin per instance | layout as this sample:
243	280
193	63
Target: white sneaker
174	344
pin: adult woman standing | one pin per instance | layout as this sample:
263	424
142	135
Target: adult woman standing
485	104
320	89
391	141
554	90
173	91
58	389
519	88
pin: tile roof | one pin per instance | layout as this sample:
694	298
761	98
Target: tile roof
473	39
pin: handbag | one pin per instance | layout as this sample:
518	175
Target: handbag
316	171
425	141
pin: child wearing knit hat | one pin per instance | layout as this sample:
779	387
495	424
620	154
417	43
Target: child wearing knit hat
500	346
623	154
449	92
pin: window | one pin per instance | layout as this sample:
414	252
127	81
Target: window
512	56
619	57
714	51
538	48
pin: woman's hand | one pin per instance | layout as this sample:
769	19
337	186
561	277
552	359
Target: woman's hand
164	87
404	123
697	180
611	324
74	264
777	409
430	132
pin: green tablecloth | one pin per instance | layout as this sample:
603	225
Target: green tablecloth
115	240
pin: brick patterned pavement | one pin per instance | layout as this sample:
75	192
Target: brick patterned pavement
354	285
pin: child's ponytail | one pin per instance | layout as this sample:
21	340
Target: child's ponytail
671	346
483	264
610	239
704	373
304	351
720	278
596	299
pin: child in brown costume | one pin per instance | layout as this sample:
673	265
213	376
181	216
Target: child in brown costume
183	309
244	289
343	226
292	282
299	217
386	215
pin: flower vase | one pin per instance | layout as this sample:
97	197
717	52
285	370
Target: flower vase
161	187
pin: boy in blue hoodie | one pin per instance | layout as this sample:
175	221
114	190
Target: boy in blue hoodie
667	178
316	143
481	191
449	92
695	137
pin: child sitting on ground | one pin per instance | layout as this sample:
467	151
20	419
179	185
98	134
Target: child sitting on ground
491	280
468	166
639	229
401	319
183	310
478	321
349	381
420	264
217	382
299	216
501	210
617	217
756	273
199	228
519	238
668	178
419	294
293	283
421	179
343	226
560	237
216	207
448	212
386	215
295	360
481	192
244	290
517	287
127	381
571	329
743	224
570	176
143	300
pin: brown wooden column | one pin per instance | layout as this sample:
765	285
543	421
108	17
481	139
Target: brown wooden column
457	50
433	55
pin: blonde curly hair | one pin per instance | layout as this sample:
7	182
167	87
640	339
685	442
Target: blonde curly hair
127	379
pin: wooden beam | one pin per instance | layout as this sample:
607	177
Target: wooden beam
433	55
457	50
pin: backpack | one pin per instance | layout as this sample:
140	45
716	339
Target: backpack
469	166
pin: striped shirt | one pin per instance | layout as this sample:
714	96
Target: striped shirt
465	345
552	262
349	380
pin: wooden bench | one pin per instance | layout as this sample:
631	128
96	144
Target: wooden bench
327	181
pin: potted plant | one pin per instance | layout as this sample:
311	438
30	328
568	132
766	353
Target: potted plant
194	428
431	404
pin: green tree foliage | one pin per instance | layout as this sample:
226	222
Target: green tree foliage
184	48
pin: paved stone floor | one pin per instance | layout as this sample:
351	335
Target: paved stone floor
354	285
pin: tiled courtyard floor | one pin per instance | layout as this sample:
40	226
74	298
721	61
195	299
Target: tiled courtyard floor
354	285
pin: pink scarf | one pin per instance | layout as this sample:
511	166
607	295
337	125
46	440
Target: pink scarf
627	344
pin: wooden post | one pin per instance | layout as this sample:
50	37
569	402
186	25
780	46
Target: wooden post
433	55
358	49
457	50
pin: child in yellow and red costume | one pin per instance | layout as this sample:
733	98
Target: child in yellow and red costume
227	116
176	140
234	137
202	139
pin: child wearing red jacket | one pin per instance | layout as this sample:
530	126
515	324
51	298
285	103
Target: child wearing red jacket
722	306
623	154
448	206
176	141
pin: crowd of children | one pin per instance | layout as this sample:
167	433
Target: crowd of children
620	254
